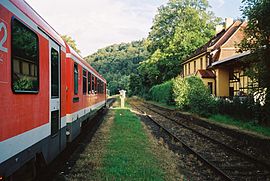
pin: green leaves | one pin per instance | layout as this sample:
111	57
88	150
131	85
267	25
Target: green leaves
71	42
179	28
192	95
118	62
257	40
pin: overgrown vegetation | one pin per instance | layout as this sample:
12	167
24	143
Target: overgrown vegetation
162	93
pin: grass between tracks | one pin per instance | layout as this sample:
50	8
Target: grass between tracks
128	155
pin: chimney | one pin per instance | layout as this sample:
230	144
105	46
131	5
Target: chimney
228	22
219	28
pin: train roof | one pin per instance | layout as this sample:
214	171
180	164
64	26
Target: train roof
85	63
35	17
49	30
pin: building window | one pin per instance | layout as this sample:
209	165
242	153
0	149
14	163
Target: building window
84	82
195	67
76	77
93	84
89	82
25	58
188	68
201	60
185	70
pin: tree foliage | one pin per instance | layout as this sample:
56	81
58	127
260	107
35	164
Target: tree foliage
71	43
257	40
179	28
118	64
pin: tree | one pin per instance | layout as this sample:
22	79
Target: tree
71	43
118	64
179	28
257	40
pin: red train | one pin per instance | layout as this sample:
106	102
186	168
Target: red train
46	89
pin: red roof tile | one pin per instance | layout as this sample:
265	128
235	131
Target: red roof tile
206	73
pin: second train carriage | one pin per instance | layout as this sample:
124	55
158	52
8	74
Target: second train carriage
46	89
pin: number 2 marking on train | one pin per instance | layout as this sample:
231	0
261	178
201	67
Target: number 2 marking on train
4	38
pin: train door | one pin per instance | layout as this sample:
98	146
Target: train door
55	145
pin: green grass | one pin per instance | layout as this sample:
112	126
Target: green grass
129	155
250	126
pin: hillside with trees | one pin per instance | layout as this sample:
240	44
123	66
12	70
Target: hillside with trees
117	63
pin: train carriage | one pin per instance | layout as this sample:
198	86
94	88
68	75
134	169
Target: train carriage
39	108
85	92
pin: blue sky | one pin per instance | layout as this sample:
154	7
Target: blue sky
226	8
95	24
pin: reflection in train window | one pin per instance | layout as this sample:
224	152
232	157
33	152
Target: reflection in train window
25	58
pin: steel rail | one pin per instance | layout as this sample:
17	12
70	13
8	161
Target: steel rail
198	155
240	153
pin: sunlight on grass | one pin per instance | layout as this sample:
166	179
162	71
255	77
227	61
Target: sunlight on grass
250	126
129	156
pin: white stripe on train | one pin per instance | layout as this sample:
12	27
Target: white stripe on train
16	144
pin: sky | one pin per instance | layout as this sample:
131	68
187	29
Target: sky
95	24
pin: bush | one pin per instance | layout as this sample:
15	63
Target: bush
192	95
243	108
162	93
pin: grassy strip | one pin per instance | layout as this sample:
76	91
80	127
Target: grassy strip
129	155
244	125
250	126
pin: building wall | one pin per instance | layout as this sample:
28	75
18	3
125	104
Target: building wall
208	81
222	81
191	67
240	84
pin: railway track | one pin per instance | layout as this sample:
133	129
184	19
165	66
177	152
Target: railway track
229	163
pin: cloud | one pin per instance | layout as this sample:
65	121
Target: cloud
98	23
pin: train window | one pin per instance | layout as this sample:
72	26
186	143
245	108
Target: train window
55	73
25	59
89	82
93	84
97	86
76	78
102	87
84	81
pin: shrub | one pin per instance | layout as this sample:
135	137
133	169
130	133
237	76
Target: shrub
162	93
243	108
192	95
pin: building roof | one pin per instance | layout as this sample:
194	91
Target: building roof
206	73
228	59
216	41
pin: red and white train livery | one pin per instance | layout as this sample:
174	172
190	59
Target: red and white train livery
46	89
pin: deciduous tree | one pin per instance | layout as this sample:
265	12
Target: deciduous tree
179	28
257	40
71	42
